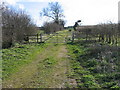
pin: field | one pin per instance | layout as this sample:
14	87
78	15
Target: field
94	67
61	63
43	46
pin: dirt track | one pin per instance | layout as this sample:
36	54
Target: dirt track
33	75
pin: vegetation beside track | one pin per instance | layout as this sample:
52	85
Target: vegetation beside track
14	58
94	67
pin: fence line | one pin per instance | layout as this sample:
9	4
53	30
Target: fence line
41	38
38	37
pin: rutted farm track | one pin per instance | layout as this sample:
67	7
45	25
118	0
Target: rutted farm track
50	69
38	75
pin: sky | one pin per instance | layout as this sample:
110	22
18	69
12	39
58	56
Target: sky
90	12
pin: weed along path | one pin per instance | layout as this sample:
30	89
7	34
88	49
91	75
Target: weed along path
48	70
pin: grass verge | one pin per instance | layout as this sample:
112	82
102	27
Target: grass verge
95	66
14	58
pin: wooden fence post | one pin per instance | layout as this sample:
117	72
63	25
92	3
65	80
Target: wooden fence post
73	37
37	38
40	37
28	39
57	38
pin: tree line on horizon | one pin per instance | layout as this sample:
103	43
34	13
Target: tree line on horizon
104	32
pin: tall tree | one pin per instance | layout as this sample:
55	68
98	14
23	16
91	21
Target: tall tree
53	11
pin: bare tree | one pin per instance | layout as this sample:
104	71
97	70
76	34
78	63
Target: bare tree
53	11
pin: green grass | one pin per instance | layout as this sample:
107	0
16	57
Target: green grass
14	58
81	74
46	68
46	64
40	31
92	67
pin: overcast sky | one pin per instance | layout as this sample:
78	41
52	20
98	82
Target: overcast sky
91	12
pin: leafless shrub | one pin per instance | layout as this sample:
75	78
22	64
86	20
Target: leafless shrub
105	33
16	24
51	27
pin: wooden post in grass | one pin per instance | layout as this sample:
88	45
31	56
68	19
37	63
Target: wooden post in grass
73	37
41	37
28	39
37	38
57	38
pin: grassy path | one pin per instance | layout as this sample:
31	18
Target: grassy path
48	70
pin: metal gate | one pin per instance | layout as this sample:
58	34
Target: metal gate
59	37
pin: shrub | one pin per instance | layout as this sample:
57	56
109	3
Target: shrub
51	27
16	24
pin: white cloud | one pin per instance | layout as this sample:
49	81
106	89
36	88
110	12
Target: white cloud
14	3
21	6
39	0
11	2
